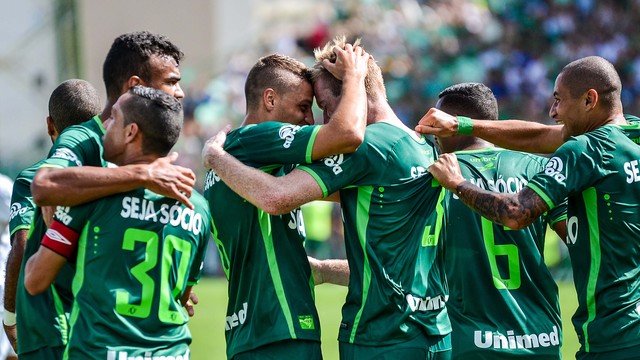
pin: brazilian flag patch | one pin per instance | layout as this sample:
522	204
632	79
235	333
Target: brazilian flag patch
306	322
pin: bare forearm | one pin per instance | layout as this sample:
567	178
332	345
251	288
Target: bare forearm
256	186
515	211
14	261
345	131
78	185
332	271
520	135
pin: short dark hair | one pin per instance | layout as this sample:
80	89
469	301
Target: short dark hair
275	71
129	55
158	116
72	102
593	72
474	100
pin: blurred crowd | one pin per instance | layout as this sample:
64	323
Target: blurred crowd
514	46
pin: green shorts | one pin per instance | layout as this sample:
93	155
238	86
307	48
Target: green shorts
45	353
285	349
632	352
420	347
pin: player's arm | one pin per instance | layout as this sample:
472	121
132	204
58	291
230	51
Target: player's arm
275	195
515	211
58	244
77	185
560	228
344	131
511	134
12	274
331	271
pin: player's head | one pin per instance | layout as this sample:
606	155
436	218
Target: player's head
72	102
142	58
586	94
328	89
474	100
279	88
144	121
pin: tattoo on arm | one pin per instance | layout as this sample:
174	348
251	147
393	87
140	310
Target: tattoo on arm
515	211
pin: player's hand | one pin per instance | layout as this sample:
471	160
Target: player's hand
447	171
47	214
214	148
350	61
171	180
439	123
193	300
315	265
12	335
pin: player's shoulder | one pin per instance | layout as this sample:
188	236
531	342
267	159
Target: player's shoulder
199	202
90	128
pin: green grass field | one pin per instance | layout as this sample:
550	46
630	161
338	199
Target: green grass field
207	326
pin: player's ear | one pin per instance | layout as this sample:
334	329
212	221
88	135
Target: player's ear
51	128
133	81
591	99
132	132
269	98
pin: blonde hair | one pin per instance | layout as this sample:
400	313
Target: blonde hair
373	82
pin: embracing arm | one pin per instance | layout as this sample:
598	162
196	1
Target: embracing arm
14	261
515	211
511	134
345	130
330	271
77	185
41	270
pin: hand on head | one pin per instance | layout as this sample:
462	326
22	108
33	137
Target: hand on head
352	60
439	123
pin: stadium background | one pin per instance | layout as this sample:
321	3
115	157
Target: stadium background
515	46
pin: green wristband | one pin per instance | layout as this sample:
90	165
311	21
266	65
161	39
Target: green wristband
465	125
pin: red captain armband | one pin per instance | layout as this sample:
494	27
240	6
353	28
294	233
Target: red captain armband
61	239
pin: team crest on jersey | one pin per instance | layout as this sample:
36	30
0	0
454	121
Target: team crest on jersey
16	209
66	154
334	163
554	168
288	134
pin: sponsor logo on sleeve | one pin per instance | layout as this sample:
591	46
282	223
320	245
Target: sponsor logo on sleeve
288	134
554	168
334	163
66	154
62	214
16	209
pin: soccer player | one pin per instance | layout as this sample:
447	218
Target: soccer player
73	174
395	306
596	169
503	302
71	102
271	310
137	253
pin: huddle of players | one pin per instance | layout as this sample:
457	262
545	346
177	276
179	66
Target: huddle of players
397	223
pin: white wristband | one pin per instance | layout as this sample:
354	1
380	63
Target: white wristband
9	318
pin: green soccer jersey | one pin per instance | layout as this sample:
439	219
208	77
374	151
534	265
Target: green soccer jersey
136	254
43	316
598	172
397	288
503	301
22	206
271	295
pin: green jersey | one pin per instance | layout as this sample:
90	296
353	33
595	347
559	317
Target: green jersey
43	316
503	301
397	288
136	254
599	175
271	295
22	206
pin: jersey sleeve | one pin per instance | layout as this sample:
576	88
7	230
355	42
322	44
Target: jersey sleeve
272	143
22	206
336	172
74	217
566	173
198	262
76	146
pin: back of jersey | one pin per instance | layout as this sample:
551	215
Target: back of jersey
503	301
